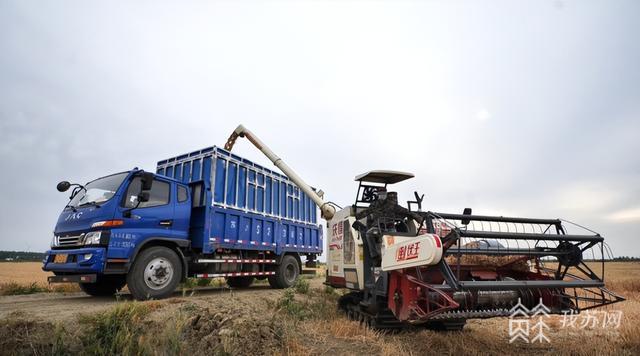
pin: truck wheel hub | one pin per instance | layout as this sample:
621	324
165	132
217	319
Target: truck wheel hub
290	273
158	273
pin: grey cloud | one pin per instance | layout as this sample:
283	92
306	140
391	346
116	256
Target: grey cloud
336	89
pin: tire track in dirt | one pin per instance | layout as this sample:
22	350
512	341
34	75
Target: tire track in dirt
55	307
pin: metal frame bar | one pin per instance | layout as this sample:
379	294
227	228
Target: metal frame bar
528	236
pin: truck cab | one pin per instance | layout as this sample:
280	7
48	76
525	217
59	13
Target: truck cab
109	221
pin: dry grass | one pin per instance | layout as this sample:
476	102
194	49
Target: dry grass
304	321
13	288
516	262
28	278
485	336
621	277
23	272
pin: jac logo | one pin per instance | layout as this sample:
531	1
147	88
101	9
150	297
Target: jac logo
408	252
73	216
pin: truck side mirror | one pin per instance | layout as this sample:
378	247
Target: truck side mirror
63	186
146	180
143	197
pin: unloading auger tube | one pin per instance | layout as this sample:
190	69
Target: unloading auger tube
326	209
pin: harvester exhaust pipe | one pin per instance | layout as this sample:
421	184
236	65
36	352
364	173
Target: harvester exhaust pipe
326	209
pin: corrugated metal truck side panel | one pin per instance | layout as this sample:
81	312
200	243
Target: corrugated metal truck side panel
251	207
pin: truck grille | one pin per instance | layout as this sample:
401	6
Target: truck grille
70	240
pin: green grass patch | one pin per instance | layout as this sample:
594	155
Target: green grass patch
190	283
13	288
301	286
116	332
316	304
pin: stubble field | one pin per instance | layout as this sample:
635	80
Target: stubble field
299	321
22	272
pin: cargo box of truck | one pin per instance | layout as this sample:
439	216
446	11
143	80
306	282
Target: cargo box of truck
239	204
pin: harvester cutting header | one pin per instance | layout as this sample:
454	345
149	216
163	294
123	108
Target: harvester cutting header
409	266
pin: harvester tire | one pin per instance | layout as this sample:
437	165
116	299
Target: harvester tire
286	274
105	286
155	274
239	282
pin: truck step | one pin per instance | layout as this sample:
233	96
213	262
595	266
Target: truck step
234	274
236	261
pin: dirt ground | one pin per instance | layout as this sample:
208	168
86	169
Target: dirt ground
65	307
257	321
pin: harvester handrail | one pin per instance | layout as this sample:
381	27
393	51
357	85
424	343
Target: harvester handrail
496	218
521	236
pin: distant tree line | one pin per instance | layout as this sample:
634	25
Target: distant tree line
17	256
626	258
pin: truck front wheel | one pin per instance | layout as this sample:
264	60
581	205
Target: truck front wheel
106	285
286	273
155	274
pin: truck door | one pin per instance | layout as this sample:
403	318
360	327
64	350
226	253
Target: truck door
153	218
182	212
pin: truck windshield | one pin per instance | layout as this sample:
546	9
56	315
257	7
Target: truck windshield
98	191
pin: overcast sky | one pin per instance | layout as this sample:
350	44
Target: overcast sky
509	107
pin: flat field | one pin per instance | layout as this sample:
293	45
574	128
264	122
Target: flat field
260	320
22	272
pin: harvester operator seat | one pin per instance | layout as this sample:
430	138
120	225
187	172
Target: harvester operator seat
383	216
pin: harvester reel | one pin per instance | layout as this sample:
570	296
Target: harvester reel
573	255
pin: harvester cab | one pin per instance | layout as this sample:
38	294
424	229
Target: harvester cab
413	267
376	225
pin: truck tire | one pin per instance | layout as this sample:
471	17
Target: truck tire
286	273
155	274
105	286
239	282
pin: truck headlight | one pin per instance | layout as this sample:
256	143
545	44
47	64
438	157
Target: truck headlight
54	241
93	238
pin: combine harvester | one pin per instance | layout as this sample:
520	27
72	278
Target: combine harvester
413	267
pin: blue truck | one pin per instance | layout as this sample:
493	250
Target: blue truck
205	214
